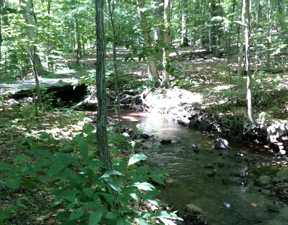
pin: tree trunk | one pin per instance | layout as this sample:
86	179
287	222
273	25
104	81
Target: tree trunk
115	61
184	39
152	69
102	139
158	13
31	33
241	46
269	38
1	40
78	41
247	57
166	40
215	33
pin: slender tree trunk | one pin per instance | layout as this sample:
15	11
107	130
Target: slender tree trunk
215	33
102	139
31	33
184	39
48	26
152	69
115	62
1	40
241	46
269	38
78	41
158	13
166	39
247	57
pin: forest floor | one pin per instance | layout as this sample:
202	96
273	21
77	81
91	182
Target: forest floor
200	84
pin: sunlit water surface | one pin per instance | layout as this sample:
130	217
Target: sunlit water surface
223	198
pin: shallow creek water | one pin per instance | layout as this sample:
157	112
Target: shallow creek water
223	197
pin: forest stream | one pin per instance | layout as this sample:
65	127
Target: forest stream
217	181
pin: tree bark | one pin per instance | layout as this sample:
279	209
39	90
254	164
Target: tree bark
215	33
102	139
78	41
184	39
166	40
241	46
152	69
247	57
31	33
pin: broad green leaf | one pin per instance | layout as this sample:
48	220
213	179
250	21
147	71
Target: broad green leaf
113	214
136	158
88	192
56	168
63	158
44	135
142	222
67	148
120	221
63	215
122	166
116	161
13	182
115	151
77	213
95	218
94	205
20	158
5	166
84	150
158	180
143	186
87	128
110	172
79	138
142	169
112	183
31	182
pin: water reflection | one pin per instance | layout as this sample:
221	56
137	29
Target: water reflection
190	182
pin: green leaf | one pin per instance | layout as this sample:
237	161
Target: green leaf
94	205
136	158
63	215
95	218
112	215
56	168
84	150
143	186
67	148
122	166
110	172
142	222
13	182
5	166
115	151
20	158
158	180
120	221
63	158
112	183
87	128
31	182
142	169
88	192
77	213
44	135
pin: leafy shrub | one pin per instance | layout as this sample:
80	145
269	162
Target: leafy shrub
82	184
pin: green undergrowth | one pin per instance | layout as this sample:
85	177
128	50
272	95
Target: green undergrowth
82	190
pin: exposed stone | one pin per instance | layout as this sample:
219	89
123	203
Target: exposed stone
193	209
264	180
272	208
206	125
166	141
193	123
221	143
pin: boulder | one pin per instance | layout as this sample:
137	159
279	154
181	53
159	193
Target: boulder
193	123
221	143
206	125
